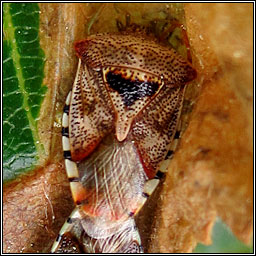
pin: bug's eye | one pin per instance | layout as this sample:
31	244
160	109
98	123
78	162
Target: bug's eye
130	91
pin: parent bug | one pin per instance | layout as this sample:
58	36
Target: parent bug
118	124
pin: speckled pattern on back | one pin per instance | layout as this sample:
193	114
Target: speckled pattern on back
118	123
127	50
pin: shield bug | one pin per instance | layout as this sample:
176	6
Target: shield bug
118	124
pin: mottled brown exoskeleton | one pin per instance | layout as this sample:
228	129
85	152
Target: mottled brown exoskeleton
118	123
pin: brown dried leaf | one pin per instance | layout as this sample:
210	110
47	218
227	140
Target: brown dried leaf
212	172
34	210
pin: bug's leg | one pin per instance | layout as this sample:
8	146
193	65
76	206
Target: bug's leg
127	19
120	26
130	27
167	31
95	17
69	236
186	41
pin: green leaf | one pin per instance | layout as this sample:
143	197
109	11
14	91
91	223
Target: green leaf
223	241
23	92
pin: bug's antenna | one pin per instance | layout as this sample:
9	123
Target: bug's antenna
120	25
94	18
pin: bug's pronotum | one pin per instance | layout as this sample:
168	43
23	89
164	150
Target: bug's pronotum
118	124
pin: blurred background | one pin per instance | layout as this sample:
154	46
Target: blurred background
223	241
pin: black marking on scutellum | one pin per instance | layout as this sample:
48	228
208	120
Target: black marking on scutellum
66	109
65	131
160	175
131	90
67	154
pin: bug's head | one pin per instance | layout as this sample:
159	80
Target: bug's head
137	52
135	69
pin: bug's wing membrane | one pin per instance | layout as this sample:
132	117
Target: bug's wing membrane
113	178
155	126
76	236
124	239
90	117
